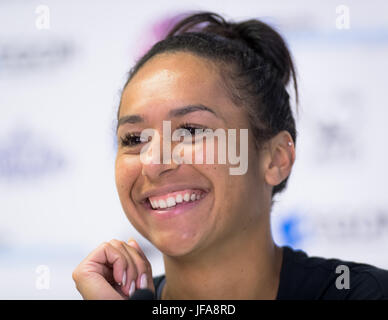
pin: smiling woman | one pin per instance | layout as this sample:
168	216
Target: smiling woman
212	227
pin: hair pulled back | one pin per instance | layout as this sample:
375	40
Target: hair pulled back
254	62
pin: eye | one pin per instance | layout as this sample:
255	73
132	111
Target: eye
192	128
131	140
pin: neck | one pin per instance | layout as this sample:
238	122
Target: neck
244	267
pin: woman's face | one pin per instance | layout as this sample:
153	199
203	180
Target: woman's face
225	205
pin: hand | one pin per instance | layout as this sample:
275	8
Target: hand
113	271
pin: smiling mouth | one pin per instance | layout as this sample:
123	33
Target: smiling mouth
174	200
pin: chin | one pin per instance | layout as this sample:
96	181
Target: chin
177	245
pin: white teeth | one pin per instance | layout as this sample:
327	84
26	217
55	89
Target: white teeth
154	204
162	204
170	202
179	198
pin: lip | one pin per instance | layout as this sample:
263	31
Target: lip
169	189
176	210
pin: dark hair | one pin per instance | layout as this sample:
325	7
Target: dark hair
255	64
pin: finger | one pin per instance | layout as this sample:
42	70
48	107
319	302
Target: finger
131	273
97	274
95	287
132	242
106	272
119	290
108	255
144	268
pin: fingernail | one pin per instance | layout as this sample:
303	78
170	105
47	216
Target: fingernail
124	278
132	244
132	288
143	281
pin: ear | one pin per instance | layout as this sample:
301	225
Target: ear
280	158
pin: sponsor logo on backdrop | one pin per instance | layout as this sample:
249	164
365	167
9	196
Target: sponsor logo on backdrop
364	224
27	154
336	127
24	55
332	225
290	230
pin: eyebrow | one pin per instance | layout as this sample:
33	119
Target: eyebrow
179	112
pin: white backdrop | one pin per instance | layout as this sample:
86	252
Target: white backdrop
59	91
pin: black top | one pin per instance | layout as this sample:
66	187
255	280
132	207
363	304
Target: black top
312	278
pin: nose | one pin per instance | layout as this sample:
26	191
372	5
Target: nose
153	164
154	171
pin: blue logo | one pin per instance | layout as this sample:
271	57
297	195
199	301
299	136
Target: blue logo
25	155
291	230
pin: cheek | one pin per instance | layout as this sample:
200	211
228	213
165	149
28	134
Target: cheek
207	151
127	169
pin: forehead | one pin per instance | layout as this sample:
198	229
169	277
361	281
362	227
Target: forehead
174	79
